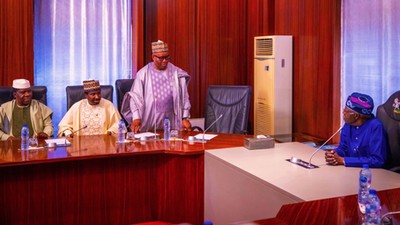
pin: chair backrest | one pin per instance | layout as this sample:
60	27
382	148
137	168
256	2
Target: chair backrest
75	93
38	93
389	114
233	102
122	86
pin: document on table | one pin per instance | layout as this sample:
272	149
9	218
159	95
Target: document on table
145	134
58	141
205	136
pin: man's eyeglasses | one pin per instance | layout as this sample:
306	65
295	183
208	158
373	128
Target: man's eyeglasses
162	58
349	111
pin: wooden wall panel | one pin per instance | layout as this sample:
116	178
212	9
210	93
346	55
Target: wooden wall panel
222	49
222	44
16	40
206	38
137	36
260	22
312	24
174	22
336	67
213	41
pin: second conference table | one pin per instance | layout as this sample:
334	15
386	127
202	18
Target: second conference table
246	185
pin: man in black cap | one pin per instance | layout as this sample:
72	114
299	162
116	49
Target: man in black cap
362	140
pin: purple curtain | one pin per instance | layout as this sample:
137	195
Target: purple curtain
80	40
370	48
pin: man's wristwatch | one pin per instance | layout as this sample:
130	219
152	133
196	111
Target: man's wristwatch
185	118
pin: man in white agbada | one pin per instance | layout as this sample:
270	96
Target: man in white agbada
24	110
159	90
97	114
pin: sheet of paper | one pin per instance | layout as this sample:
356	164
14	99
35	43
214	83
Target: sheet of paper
206	136
145	134
58	141
35	148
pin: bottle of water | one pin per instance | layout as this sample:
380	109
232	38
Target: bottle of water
364	187
167	128
373	209
25	137
121	131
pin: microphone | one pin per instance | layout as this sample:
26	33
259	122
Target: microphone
319	148
84	127
309	165
155	118
385	219
204	132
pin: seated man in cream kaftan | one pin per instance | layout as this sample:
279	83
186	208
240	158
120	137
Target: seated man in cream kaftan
90	116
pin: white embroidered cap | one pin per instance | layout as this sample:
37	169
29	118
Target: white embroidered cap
21	84
159	46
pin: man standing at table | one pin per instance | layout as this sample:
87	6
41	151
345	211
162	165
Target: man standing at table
363	138
24	110
90	116
159	90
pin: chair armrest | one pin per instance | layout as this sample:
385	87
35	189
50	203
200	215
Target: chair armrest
395	169
194	128
197	123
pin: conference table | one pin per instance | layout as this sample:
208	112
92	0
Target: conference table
98	181
250	185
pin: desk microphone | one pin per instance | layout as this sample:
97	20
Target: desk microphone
155	118
319	148
386	220
84	127
204	132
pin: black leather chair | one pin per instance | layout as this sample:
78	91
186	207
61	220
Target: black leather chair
233	103
75	93
122	86
389	114
38	93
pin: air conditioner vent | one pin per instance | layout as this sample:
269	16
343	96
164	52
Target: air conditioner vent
273	99
264	47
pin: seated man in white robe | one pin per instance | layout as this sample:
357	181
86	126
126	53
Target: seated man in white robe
90	116
25	110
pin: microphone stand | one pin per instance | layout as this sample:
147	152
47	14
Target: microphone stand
65	140
84	127
155	118
309	165
319	148
204	132
385	219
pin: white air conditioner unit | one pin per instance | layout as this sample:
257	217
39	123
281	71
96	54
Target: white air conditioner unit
273	85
